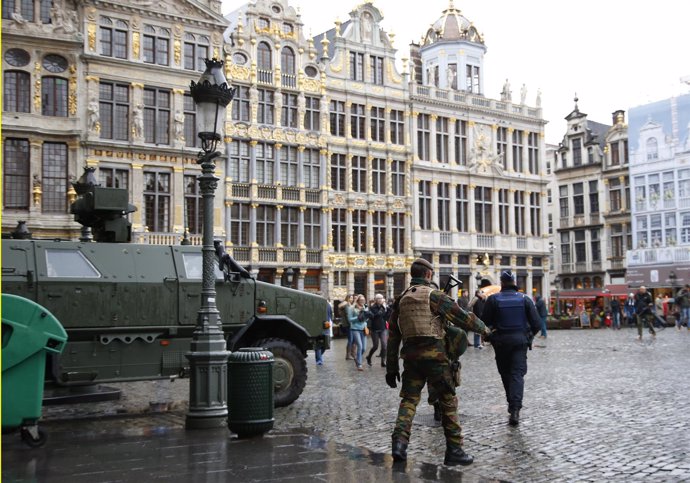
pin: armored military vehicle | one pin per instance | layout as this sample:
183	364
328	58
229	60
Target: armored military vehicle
130	309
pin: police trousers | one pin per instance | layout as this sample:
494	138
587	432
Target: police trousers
511	362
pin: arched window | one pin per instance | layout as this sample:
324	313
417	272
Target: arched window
17	91
263	52
54	96
587	283
577	283
652	149
567	284
597	282
287	61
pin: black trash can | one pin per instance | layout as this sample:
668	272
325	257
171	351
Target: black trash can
250	392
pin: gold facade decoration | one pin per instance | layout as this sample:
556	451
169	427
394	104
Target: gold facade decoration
136	44
237	72
177	51
91	29
37	192
337	68
72	99
392	75
37	87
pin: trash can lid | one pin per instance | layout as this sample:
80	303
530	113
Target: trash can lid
251	354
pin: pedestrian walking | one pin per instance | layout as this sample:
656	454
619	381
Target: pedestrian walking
683	301
476	305
615	313
629	309
514	320
644	307
418	322
543	313
358	326
327	332
346	308
378	316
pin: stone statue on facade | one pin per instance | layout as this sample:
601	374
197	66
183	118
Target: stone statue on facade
138	122
179	126
523	94
94	115
538	100
506	94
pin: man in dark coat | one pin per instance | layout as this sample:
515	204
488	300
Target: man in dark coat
514	320
643	309
477	306
543	313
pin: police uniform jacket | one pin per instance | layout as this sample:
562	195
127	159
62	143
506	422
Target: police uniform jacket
512	316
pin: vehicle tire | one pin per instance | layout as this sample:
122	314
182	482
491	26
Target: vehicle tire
289	370
30	441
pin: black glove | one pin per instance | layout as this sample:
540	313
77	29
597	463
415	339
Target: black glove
391	378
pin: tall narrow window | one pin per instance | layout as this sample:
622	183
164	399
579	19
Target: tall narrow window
518	164
378	124
15	173
482	209
156	45
265	111
359	174
113	37
190	135
240	104
565	247
615	199
339	229
357	121
563	200
265	162
535	213
594	196
157	201
312	114
263	60
337	118
577	152
54	96
376	69
239	161
266	225
472	78
503	211
338	172
397	127
289	225
311	168
194	216
615	153
423	137
26	8
520	213
424	197
462	203
461	142
442	139
443	206
378	176
17	91
8	8
114	110
578	199
533	153
312	227
595	245
156	116
195	51
288	116
580	247
378	226
398	178
502	145
239	224
287	63
398	232
356	66
288	166
359	230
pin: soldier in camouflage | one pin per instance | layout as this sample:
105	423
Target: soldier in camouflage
418	321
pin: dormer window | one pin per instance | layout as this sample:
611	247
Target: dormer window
288	29
264	23
652	149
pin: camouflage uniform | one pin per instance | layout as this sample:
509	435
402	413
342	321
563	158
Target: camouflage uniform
425	361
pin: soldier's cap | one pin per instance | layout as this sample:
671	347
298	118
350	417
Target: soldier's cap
423	262
507	277
485	282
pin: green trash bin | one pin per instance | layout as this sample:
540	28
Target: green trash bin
29	332
250	391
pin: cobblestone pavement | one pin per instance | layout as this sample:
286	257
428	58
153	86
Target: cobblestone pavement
599	405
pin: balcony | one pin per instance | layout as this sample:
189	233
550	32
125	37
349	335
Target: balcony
291	255
521	242
486	241
162	238
446	239
264	76
311	196
289	80
268	255
290	194
240	191
241	254
266	192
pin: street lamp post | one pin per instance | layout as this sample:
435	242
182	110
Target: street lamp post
289	276
556	282
389	278
208	357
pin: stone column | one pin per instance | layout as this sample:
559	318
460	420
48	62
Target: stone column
495	219
279	228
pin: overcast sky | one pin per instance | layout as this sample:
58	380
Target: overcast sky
615	54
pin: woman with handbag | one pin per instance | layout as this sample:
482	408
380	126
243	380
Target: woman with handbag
358	327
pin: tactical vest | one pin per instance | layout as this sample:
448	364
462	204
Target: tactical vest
415	318
513	315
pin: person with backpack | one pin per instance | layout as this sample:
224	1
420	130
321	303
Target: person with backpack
683	301
514	320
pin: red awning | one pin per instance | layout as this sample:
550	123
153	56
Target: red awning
617	290
583	294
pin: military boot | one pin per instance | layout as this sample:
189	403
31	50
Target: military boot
456	456
399	449
514	418
437	411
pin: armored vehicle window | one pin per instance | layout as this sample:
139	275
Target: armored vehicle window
193	266
69	263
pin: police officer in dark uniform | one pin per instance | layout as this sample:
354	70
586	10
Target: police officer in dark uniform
514	320
419	322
